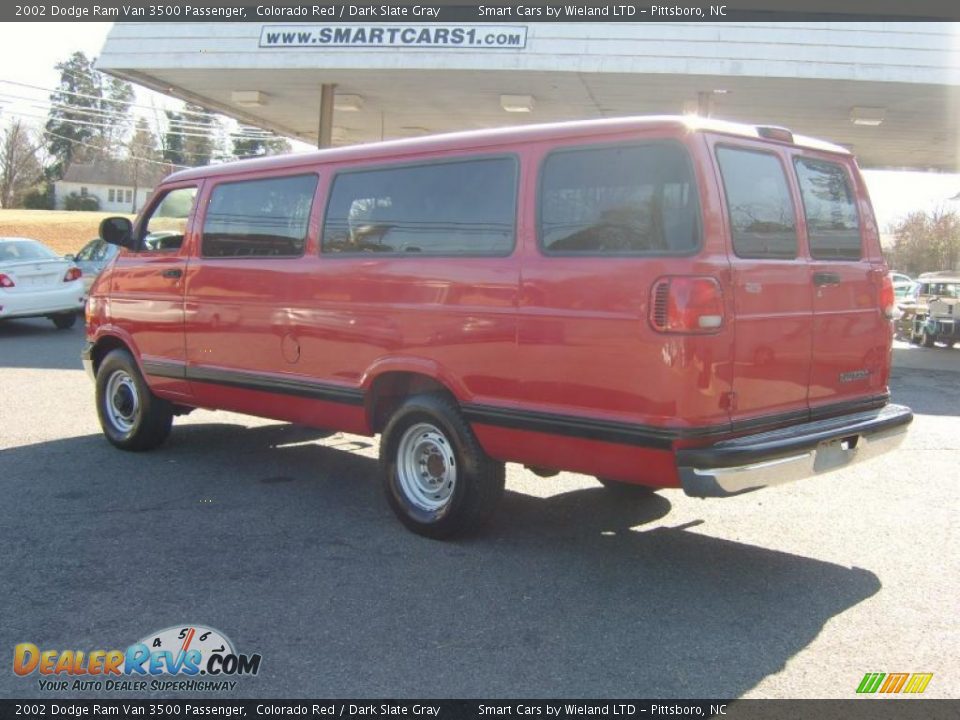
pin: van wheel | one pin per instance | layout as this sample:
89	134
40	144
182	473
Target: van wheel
132	417
624	489
64	321
436	477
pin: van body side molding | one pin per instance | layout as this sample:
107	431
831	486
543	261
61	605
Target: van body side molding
258	381
165	369
573	426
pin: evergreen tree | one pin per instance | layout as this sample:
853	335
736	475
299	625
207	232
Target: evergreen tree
89	115
252	146
200	139
173	139
191	136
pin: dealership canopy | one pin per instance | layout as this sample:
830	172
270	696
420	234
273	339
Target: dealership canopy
888	91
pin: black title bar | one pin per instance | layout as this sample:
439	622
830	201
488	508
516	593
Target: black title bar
853	709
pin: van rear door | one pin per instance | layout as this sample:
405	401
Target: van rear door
851	335
771	290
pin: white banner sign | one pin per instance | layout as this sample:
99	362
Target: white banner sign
470	37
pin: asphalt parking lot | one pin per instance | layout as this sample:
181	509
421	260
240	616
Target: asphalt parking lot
282	541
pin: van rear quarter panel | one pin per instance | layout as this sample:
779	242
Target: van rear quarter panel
585	339
587	351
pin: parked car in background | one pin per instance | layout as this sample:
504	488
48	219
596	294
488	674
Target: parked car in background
930	312
901	284
36	282
92	259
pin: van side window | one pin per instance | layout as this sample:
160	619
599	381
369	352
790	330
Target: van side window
445	208
833	225
163	230
259	218
758	200
638	199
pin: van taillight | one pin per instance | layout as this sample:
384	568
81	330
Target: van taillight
888	299
681	304
72	274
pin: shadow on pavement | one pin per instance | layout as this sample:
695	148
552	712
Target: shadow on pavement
36	343
286	545
926	392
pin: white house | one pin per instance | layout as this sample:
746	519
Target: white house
119	185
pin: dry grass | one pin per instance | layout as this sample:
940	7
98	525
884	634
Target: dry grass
62	230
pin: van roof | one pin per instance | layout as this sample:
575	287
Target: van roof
480	138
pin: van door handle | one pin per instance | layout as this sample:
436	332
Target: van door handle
175	273
826	278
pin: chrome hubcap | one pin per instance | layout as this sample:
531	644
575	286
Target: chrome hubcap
122	404
426	467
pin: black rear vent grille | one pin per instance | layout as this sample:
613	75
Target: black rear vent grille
658	310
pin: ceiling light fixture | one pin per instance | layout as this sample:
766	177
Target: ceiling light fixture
247	98
871	116
517	103
348	103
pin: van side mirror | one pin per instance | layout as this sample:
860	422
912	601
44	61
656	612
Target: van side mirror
117	231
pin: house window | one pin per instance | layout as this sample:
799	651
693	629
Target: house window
129	195
83	192
111	195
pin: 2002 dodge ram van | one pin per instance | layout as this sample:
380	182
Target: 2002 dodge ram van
658	302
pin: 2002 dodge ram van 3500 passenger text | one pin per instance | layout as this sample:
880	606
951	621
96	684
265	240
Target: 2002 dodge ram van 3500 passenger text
658	302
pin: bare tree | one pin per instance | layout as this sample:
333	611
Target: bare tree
927	241
19	167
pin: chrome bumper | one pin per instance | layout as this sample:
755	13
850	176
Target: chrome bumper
792	453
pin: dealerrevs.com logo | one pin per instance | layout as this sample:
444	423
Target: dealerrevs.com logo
186	658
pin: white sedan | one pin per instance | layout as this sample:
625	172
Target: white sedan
36	282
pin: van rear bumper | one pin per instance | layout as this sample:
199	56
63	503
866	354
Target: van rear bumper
751	462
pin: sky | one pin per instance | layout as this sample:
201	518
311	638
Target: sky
28	52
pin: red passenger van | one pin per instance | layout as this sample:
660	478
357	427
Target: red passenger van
657	302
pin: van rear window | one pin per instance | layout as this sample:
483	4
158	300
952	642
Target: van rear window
445	208
631	199
259	218
758	200
833	225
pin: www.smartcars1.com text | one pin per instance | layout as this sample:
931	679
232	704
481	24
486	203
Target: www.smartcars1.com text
484	12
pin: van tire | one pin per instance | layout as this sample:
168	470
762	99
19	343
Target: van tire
132	417
624	489
438	480
64	321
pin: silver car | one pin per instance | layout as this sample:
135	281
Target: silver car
36	282
92	259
